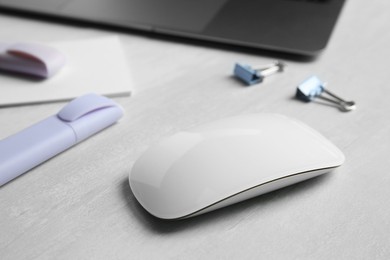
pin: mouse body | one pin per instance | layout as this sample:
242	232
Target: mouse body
227	161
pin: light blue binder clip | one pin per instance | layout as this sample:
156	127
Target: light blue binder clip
313	88
253	75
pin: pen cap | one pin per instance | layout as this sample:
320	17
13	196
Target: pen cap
90	114
79	119
31	58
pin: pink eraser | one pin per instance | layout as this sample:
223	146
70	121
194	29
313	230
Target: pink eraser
31	58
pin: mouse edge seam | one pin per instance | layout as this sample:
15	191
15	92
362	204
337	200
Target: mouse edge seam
198	212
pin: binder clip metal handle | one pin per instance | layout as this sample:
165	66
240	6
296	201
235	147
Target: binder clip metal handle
313	88
253	75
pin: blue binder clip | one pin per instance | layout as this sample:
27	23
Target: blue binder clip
253	75
313	88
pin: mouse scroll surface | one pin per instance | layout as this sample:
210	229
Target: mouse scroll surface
221	163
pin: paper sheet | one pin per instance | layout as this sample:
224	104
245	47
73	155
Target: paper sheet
93	65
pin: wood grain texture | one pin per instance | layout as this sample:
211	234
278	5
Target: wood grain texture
78	205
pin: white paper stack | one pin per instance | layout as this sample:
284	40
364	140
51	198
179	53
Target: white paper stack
93	65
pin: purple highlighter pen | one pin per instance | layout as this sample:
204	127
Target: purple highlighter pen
78	120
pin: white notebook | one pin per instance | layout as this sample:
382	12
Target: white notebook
94	65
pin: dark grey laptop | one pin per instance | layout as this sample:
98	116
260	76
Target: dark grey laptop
295	26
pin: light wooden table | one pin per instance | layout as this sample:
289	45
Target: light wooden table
78	205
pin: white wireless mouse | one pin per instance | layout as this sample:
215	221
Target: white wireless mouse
227	161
